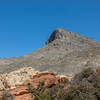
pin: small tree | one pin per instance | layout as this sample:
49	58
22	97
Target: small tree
39	92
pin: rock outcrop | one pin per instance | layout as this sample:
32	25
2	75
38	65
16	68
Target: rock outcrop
16	78
21	93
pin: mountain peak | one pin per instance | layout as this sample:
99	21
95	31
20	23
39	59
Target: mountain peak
59	33
70	41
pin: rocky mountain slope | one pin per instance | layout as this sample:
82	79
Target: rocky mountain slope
65	53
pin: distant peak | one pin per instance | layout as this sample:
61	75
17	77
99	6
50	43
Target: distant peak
59	34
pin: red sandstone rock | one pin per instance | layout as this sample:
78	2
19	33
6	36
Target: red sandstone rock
23	97
48	78
21	93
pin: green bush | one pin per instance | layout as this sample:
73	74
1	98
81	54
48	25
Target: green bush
48	93
7	96
96	81
83	75
44	96
39	92
84	91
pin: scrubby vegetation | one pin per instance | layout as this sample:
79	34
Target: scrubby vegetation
7	96
48	92
84	86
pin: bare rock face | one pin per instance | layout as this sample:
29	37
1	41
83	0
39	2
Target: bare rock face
1	85
70	40
58	34
16	78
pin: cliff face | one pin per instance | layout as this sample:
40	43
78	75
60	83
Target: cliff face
65	53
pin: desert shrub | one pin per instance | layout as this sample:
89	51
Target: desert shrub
39	92
88	76
82	75
48	93
80	90
7	96
44	96
96	84
96	81
87	72
84	91
57	91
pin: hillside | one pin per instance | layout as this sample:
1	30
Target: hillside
65	52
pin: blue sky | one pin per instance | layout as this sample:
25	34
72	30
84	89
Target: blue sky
25	25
